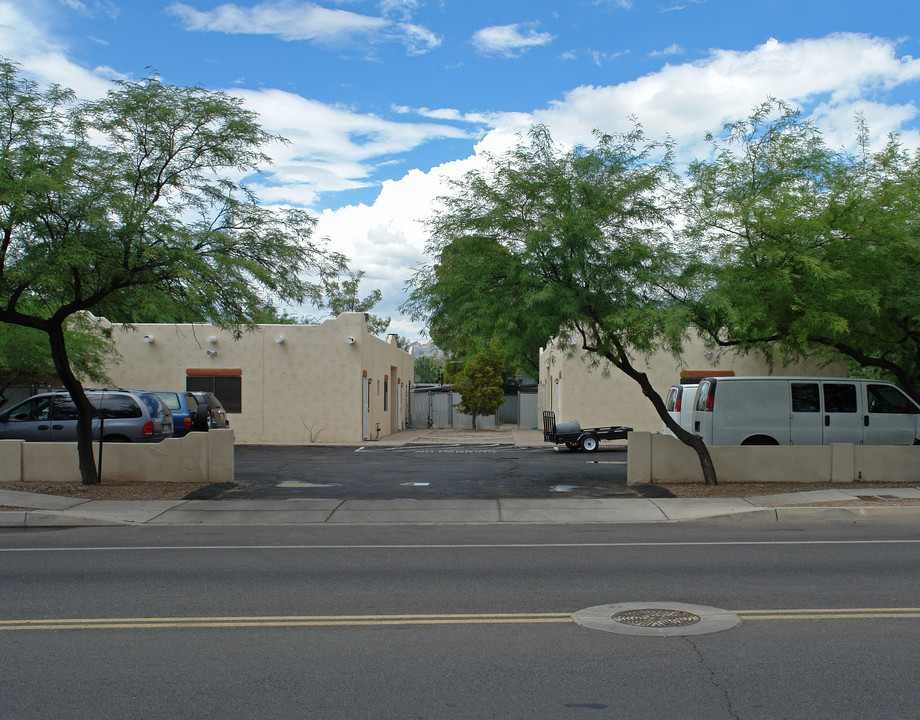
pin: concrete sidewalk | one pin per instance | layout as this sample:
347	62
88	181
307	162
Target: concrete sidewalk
55	511
34	510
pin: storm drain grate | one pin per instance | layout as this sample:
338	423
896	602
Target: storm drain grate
656	618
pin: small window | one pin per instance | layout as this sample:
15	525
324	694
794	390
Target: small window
839	398
171	399
119	406
63	408
890	400
671	399
31	411
805	397
386	394
702	396
227	388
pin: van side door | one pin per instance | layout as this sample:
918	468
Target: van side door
30	420
63	419
843	419
891	417
806	424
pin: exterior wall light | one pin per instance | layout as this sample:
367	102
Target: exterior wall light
150	339
279	339
350	341
210	339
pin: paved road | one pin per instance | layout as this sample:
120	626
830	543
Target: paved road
430	472
455	622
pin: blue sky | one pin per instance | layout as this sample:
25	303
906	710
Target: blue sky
382	100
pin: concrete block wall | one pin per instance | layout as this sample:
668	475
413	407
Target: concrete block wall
199	457
655	457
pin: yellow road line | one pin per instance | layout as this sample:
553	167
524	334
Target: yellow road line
414	619
829	613
285	621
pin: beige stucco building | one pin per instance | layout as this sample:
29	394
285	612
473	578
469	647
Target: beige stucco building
603	396
281	384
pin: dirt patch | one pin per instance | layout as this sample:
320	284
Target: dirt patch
873	493
134	491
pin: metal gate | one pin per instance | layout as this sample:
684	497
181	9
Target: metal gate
436	409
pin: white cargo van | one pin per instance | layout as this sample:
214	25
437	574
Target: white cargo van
804	411
679	403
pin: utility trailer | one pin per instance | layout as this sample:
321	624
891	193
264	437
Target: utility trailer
575	437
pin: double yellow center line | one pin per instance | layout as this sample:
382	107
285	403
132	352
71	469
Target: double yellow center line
830	614
313	621
285	621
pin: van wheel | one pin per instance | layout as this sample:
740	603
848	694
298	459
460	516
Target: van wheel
760	440
589	443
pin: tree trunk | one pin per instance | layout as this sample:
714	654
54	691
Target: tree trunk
88	472
687	438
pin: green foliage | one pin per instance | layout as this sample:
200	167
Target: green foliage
568	243
429	368
576	242
126	207
469	297
25	356
480	383
341	296
810	248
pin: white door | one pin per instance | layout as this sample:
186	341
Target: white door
807	421
366	409
843	421
890	418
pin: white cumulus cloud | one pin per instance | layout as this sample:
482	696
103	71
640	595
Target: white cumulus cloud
509	40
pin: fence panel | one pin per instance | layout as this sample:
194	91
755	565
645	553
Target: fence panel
435	410
527	410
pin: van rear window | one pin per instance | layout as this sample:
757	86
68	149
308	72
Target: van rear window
805	397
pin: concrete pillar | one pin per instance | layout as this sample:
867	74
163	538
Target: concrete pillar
843	462
639	458
11	460
220	455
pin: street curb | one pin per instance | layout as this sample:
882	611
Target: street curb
23	519
45	519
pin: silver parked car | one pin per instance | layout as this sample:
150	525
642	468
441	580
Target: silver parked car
120	416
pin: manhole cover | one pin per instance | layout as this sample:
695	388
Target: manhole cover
656	618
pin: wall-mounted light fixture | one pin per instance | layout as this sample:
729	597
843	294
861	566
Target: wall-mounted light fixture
149	339
210	339
279	339
350	341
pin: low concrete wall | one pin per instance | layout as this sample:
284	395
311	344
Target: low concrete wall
662	458
199	457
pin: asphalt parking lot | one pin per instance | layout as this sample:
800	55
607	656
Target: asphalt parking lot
430	472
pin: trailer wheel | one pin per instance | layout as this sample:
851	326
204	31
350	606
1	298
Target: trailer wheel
571	445
589	443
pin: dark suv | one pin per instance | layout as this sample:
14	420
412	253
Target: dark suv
209	413
120	416
192	410
183	408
